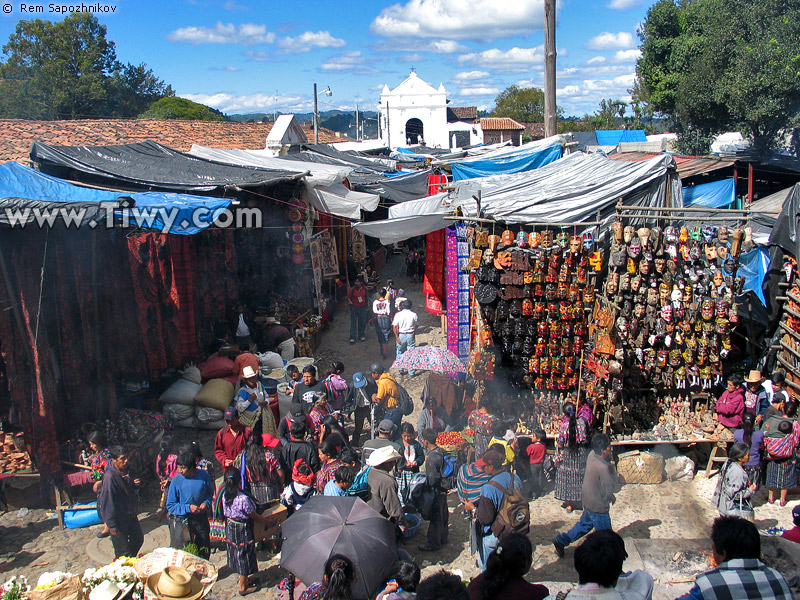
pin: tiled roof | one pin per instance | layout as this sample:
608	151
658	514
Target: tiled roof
17	135
535	131
495	123
464	112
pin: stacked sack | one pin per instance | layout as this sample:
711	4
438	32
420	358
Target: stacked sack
177	401
190	403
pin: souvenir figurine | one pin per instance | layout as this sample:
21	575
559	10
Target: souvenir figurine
711	253
596	261
481	238
575	244
644	236
722	235
722	252
655	239
736	244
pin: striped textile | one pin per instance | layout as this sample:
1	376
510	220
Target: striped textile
469	482
241	547
569	476
781	475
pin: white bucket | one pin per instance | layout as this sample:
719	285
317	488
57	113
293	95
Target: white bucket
284	400
278	374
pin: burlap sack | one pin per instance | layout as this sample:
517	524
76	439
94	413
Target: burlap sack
640	467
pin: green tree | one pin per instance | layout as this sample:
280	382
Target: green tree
69	70
609	114
715	65
525	105
181	108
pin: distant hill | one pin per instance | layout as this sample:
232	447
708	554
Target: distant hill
335	120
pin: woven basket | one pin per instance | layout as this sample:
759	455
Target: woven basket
640	467
452	449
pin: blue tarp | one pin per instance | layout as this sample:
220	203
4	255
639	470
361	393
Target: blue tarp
22	188
512	163
714	195
753	266
612	137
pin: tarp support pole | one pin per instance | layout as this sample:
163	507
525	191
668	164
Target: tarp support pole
749	183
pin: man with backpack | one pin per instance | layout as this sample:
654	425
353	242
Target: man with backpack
388	394
439	478
597	494
501	506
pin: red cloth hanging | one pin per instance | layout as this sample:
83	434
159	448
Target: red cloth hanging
182	253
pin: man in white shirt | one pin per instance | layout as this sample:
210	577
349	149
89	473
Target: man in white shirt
405	327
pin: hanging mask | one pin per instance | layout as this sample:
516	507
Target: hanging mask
687	295
684	235
538	310
547	238
616	230
711	252
688	356
676	297
707	309
694	251
671	250
481	238
625	282
729	266
695	234
708	234
666	313
718	280
638	311
522	239
722	235
663	291
508	238
562	292
628	233
644	236
533	365
721	309
494	242
550	292
652	296
527	277
685	252
588	295
655	239
619	255
538	290
588	241
635	248
671	235
612	284
636	283
527	307
722	252
575	244
660	263
534	239
631	266
733	313
644	267
562	240
596	261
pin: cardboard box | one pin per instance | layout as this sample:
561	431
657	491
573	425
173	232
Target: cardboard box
278	514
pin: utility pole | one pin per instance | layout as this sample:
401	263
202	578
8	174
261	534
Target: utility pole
316	117
550	68
357	138
388	130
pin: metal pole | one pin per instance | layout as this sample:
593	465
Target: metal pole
549	68
316	117
388	129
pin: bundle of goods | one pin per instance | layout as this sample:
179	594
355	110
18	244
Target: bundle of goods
664	320
188	403
640	467
14	457
533	290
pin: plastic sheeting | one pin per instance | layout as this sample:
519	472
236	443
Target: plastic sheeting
612	137
572	189
715	194
509	159
398	187
22	189
785	233
753	266
150	164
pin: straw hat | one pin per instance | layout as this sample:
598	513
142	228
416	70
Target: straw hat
248	372
754	377
108	590
175	583
382	455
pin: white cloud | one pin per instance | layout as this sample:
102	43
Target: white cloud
482	20
412	58
611	41
308	40
569	91
229	69
231	103
470	76
622	4
350	62
260	56
479	91
515	59
448	47
231	5
223	33
627	56
596	60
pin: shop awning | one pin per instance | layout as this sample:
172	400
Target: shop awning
26	194
715	194
509	160
572	189
150	165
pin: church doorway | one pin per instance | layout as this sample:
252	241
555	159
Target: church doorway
414	132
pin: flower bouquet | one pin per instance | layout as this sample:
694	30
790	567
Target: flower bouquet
120	572
15	588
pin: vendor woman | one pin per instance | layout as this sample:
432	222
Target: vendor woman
99	463
730	405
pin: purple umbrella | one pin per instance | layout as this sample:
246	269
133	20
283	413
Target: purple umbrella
430	358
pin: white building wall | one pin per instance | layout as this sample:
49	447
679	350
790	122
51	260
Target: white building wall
414	98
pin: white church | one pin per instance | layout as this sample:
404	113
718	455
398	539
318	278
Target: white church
417	113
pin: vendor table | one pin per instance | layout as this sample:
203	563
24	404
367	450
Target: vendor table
720	446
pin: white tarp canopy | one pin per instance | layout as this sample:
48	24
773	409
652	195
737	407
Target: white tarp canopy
572	189
324	187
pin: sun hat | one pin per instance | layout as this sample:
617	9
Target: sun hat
108	590
382	455
754	377
175	583
248	372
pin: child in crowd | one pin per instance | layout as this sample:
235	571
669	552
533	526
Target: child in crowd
502	435
793	534
294	378
300	489
341	481
403	585
536	452
166	469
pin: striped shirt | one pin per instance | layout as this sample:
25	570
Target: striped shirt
469	482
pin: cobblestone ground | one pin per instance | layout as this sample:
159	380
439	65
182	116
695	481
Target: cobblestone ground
657	521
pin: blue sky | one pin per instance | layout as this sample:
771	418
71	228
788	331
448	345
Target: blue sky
243	56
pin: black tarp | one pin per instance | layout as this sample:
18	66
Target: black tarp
783	241
149	165
400	188
349	158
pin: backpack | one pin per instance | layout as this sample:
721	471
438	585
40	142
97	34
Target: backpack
360	486
514	514
404	402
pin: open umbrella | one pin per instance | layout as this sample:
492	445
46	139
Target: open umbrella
430	358
328	525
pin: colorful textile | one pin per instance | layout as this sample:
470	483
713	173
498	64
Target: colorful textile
581	432
458	291
183	291
482	422
100	464
781	475
316	415
433	283
240	509
569	476
316	591
241	546
430	358
469	482
325	474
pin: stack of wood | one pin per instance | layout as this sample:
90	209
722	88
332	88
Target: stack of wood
13	457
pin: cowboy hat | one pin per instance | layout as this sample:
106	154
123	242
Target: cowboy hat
754	377
175	583
248	372
108	590
382	455
271	321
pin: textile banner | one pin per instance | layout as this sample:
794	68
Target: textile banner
457	287
314	248
433	284
330	259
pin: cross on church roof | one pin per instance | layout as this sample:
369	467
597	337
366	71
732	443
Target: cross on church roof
413	70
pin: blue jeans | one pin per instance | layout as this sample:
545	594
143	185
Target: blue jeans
406	341
488	544
395	415
589	520
358	321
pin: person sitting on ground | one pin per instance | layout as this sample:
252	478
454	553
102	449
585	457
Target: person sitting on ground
341	482
736	548
734	487
404	582
598	561
504	577
300	489
298	447
386	431
337	581
597	494
189	504
793	534
442	585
